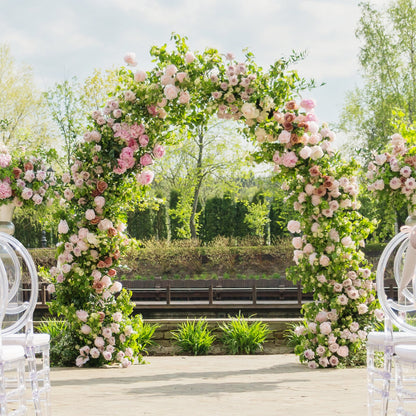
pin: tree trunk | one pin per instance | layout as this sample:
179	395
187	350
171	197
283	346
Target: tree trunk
199	178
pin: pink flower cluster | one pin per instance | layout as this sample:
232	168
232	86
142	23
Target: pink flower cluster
394	171
233	93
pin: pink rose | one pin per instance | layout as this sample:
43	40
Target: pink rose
89	214
82	315
5	159
170	92
5	190
308	104
99	201
189	57
95	353
325	328
171	70
293	226
184	97
289	160
63	227
180	76
140	76
158	151
333	361
27	193
145	177
343	351
305	152
130	59
321	316
99	342
324	261
395	183
85	329
284	137
146	160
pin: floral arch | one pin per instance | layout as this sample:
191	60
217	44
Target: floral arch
113	164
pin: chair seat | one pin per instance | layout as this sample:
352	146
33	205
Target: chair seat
39	340
406	352
12	353
377	339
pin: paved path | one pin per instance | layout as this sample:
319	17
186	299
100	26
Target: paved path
259	385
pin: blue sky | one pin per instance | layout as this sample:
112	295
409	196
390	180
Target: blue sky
60	39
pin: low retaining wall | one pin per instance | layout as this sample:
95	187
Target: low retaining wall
276	343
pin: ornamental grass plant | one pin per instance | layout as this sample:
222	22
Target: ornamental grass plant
243	337
193	337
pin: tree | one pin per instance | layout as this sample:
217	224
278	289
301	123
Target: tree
388	67
23	112
70	103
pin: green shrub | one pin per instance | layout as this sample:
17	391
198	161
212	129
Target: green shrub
243	337
62	352
193	337
143	334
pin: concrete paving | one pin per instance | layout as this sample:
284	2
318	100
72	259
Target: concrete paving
210	385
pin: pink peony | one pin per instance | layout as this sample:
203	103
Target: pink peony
144	140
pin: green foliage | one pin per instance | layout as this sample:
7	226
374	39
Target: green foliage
62	353
388	68
243	337
193	337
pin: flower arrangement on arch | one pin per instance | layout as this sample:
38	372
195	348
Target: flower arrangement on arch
25	180
392	173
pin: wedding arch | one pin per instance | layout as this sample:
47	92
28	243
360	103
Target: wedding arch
114	164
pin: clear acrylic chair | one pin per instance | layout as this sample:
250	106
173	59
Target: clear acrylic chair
12	363
18	329
392	263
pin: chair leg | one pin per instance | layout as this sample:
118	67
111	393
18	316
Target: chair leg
370	380
31	359
388	357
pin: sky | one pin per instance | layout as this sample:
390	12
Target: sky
60	39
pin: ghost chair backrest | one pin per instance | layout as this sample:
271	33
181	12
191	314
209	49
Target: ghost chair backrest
398	258
22	302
